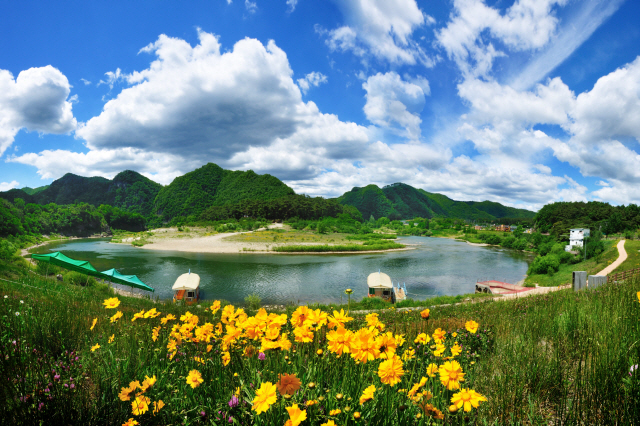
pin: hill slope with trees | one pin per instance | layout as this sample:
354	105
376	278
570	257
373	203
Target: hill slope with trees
402	201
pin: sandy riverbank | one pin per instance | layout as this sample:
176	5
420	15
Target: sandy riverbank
170	239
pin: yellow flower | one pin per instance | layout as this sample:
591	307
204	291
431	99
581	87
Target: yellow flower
390	371
432	411
438	335
451	375
152	313
471	326
467	398
300	315
130	422
116	316
340	341
113	336
415	388
408	355
296	416
125	393
339	319
422	338
638	297
138	315
226	358
456	350
166	319
288	384
156	332
209	347
399	340
194	378
157	406
148	382
440	348
95	321
454	334
425	314
367	394
432	370
387	344
215	307
96	346
111	303
265	397
140	405
335	412
329	423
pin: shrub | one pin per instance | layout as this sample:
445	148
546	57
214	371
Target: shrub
542	264
76	278
7	250
374	303
253	302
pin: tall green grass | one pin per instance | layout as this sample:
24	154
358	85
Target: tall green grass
367	246
561	358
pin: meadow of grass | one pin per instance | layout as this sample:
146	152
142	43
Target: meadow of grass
289	235
561	358
565	273
632	247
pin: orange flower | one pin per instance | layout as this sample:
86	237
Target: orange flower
157	406
226	358
95	347
288	384
390	371
438	335
367	394
215	307
451	375
425	314
130	422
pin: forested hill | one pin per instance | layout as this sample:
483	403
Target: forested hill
402	201
558	218
210	185
128	190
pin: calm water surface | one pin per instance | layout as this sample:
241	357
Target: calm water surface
436	267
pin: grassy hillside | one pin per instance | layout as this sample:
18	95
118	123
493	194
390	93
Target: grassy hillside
370	200
402	201
33	191
211	185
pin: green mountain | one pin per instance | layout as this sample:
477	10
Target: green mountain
211	185
33	191
128	190
401	201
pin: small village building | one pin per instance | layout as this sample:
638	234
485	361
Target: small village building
576	238
504	228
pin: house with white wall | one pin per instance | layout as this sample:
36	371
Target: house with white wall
576	238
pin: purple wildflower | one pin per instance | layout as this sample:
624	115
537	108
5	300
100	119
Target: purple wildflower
261	356
233	402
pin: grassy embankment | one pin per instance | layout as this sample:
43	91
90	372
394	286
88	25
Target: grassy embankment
288	240
563	358
564	274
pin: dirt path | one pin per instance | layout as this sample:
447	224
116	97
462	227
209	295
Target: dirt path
622	256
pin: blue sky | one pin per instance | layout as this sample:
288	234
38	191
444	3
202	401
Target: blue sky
522	102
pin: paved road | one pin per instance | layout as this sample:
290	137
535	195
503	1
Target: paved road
622	256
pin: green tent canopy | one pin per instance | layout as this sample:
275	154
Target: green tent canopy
60	259
131	280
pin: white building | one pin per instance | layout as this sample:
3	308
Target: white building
576	238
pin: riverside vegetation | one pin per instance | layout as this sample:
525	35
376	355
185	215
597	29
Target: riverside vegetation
80	355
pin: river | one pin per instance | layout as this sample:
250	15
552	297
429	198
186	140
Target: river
436	267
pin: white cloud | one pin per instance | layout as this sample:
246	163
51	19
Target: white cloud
311	79
112	78
382	28
5	186
86	82
612	108
526	25
251	6
393	103
160	167
292	5
36	101
570	36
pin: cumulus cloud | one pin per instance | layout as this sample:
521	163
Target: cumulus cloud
382	28
525	25
36	101
160	167
5	186
311	79
250	6
393	103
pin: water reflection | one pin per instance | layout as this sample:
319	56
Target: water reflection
437	266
